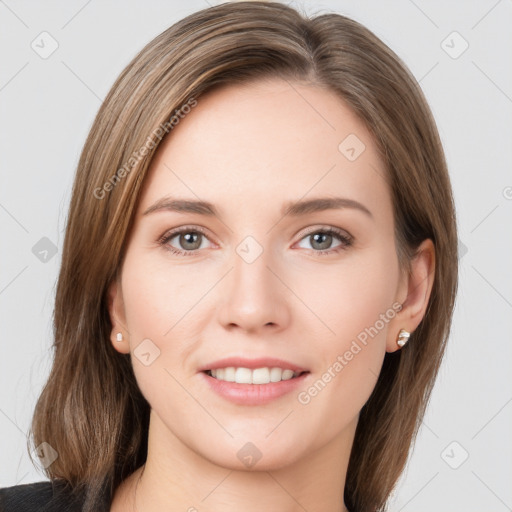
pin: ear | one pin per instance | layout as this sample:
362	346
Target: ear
414	294
117	317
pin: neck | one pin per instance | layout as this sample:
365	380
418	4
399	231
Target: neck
175	475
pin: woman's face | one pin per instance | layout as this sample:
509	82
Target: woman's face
253	280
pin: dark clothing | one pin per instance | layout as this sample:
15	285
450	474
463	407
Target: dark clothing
43	496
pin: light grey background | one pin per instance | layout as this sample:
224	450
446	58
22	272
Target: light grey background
46	109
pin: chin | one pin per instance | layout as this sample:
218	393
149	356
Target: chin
253	452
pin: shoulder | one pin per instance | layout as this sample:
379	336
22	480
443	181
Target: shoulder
45	496
26	497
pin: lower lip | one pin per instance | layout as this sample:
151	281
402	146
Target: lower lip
253	394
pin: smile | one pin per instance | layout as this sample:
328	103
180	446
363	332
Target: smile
246	393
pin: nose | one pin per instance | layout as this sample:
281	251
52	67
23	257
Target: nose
254	296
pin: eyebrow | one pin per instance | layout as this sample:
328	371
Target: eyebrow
182	205
292	208
296	208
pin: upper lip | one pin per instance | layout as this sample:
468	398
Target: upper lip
260	362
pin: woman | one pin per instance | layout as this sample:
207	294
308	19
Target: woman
258	275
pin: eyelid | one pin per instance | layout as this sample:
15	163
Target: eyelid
171	233
323	227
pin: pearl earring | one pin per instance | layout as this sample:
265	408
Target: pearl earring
119	336
403	337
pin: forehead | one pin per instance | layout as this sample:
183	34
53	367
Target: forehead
270	141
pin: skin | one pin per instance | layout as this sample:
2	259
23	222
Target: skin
248	149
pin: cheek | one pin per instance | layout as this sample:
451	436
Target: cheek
160	306
159	298
357	308
343	300
159	310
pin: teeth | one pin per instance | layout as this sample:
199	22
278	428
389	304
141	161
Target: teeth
248	376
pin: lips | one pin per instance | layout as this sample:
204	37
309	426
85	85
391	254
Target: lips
254	394
261	362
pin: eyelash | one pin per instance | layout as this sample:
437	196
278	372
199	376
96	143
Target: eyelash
346	241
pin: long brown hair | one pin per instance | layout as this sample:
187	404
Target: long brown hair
91	410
